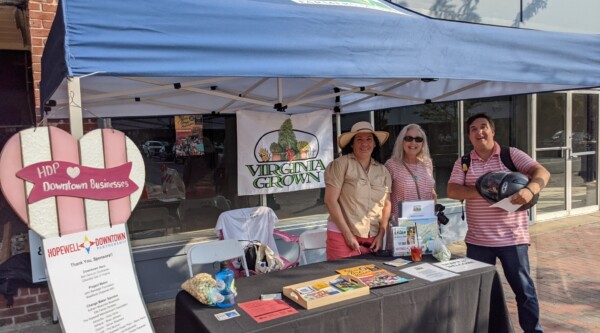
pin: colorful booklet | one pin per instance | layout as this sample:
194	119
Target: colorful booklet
343	284
373	276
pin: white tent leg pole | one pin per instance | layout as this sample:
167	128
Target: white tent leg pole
461	128
531	142
338	129
75	109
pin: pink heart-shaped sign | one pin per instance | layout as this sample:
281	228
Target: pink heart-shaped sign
72	190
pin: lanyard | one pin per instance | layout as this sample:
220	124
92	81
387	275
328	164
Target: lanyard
414	178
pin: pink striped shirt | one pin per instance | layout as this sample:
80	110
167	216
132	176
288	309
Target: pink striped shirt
403	184
493	227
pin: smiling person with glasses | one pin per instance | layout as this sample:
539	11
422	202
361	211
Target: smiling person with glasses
411	168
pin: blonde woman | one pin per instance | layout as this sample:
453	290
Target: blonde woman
411	168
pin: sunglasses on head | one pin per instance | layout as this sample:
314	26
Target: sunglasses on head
409	138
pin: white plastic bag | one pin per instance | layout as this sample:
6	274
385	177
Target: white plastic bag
439	250
266	260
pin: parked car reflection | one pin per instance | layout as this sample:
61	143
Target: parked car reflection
152	148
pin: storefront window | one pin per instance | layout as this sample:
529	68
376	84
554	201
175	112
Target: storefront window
190	179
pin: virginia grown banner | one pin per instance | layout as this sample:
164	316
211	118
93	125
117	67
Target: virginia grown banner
282	153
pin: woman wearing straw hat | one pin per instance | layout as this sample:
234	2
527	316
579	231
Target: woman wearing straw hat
357	194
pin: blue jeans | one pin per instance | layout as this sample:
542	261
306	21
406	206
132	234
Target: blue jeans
515	263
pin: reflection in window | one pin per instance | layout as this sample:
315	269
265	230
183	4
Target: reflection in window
585	150
551	120
184	194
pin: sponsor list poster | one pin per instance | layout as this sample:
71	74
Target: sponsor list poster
94	283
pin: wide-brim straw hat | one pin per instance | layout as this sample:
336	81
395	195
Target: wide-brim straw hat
360	127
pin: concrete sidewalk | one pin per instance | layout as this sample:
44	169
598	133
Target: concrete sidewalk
565	267
564	264
564	259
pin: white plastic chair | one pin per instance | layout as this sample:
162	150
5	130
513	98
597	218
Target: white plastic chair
312	240
220	250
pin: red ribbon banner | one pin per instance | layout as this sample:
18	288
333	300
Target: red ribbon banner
60	178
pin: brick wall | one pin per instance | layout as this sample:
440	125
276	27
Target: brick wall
41	15
30	304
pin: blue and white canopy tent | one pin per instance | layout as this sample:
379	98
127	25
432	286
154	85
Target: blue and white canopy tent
119	58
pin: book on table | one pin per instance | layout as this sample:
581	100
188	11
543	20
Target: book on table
373	275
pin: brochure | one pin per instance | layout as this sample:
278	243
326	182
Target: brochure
461	265
373	276
417	208
397	262
427	230
344	285
403	238
429	272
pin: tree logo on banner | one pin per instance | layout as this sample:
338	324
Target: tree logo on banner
286	157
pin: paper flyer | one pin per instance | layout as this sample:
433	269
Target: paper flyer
506	205
461	265
94	283
262	311
429	272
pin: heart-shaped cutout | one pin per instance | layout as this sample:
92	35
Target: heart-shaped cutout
73	172
61	215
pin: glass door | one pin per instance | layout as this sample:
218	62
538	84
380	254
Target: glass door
566	145
584	144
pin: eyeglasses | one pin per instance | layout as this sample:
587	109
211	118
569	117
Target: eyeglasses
409	138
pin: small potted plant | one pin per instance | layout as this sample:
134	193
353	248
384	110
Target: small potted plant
276	151
303	148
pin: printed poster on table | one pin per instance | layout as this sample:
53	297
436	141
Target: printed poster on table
94	283
283	153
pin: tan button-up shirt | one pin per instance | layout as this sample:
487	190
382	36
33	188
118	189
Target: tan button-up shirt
362	194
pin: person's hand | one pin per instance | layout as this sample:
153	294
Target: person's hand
352	242
377	243
522	197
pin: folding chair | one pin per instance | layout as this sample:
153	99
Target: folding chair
215	251
312	240
255	224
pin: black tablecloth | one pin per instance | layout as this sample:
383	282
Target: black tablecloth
471	302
